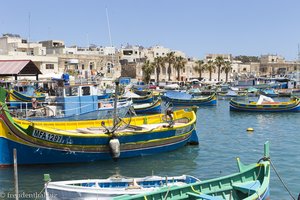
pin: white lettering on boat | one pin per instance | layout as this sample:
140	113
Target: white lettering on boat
182	130
47	136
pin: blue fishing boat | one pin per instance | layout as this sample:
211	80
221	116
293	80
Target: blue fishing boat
148	108
251	182
40	142
266	104
25	93
269	92
183	99
74	102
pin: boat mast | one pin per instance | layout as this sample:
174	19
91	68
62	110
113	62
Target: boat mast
115	120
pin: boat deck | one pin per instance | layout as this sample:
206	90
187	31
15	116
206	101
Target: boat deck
130	128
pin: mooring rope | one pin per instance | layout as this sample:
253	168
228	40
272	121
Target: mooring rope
285	186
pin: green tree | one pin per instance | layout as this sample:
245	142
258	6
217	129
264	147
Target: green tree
158	63
210	67
179	64
170	59
148	69
199	68
227	68
219	62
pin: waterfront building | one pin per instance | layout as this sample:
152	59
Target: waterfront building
86	63
277	66
13	47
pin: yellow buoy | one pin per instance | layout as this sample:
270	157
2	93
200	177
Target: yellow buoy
250	129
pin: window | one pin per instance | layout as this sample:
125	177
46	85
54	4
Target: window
86	91
127	52
91	65
71	91
82	66
49	66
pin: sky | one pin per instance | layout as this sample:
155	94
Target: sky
196	27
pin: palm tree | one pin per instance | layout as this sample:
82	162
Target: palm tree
219	61
148	69
210	67
227	68
178	65
170	59
199	68
158	62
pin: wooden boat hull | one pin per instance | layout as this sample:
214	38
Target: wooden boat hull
143	99
17	96
209	101
292	106
84	141
111	187
149	109
250	183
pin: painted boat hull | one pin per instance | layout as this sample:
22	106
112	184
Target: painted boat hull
292	106
17	96
39	155
84	141
112	187
209	101
151	109
251	182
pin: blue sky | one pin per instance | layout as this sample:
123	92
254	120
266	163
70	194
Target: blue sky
196	27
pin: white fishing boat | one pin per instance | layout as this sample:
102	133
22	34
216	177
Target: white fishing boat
92	189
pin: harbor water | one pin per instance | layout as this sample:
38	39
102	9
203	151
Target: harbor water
223	137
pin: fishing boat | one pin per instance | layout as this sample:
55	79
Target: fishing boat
148	108
73	102
25	93
266	104
251	182
232	94
53	113
111	187
184	99
269	92
90	140
138	99
22	95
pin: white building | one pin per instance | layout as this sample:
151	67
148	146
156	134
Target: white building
13	47
12	44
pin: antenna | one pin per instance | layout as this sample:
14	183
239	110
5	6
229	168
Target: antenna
298	52
28	48
112	58
108	27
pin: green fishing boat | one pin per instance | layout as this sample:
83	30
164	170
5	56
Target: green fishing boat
251	182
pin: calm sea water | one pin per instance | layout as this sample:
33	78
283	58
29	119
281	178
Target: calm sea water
223	137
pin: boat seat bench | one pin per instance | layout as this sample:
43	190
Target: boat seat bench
203	196
249	187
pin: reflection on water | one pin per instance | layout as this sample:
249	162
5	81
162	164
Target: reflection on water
223	137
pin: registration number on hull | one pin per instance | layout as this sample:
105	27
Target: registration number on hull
47	136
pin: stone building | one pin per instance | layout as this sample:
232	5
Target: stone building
274	66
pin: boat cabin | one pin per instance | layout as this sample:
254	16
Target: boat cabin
77	99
